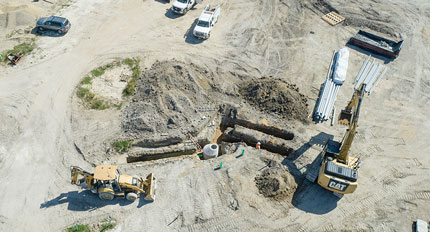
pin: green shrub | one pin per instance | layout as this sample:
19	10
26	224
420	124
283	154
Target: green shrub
122	146
78	228
86	81
118	106
130	62
107	226
97	104
82	92
129	88
98	71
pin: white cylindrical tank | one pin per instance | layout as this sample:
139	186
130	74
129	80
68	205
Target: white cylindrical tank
210	151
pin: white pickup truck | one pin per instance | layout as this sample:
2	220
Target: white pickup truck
183	6
206	21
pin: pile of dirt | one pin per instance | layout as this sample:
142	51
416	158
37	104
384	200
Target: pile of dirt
275	183
275	96
171	97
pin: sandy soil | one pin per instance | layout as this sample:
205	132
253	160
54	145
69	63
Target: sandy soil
44	130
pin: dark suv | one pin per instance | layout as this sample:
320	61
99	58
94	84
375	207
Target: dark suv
54	23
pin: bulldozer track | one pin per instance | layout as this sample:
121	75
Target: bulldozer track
423	195
218	224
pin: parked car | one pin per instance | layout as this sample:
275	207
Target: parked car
54	23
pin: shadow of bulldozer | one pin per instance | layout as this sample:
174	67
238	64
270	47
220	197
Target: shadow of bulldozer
87	201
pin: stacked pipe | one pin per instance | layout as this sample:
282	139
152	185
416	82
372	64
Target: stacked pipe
331	88
370	74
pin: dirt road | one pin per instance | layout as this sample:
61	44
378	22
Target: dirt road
254	38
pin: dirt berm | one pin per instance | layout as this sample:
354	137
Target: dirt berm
178	98
275	183
275	96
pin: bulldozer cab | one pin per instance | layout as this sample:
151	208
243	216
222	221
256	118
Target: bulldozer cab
106	172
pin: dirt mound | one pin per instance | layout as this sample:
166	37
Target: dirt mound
275	96
275	183
168	96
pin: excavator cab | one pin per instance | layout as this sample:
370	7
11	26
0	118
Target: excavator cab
335	175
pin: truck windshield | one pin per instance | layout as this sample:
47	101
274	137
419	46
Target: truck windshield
183	1
203	24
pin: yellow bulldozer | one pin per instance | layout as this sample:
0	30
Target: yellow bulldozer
108	183
338	172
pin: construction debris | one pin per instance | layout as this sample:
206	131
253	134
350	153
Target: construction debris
333	18
14	58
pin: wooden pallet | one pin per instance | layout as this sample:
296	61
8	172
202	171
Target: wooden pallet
333	18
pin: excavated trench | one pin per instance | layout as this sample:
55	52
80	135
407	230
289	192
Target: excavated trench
146	157
270	138
233	130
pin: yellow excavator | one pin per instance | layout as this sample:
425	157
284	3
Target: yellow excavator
108	183
338	172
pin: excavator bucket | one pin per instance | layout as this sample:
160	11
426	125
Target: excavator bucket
150	188
345	117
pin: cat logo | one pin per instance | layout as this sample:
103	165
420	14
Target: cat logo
337	185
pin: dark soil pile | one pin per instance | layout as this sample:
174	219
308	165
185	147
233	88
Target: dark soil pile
275	96
276	183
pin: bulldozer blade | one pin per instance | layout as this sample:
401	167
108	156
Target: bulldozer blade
345	117
150	191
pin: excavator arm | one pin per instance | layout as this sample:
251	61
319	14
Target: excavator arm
346	114
87	177
354	104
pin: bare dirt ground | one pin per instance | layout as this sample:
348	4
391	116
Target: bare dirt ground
44	130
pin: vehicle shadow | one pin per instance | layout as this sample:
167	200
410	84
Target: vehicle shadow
317	140
49	33
86	201
172	15
383	58
163	1
189	37
310	197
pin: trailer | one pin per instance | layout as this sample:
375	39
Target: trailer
376	44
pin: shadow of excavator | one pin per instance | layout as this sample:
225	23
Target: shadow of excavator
310	197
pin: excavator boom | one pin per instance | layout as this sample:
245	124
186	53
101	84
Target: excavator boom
352	129
338	172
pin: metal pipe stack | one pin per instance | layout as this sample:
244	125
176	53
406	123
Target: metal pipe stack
369	74
328	95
